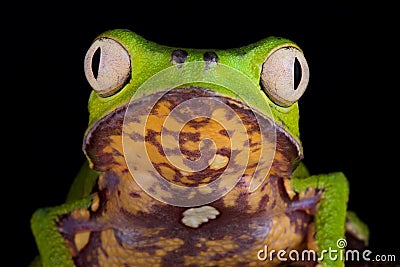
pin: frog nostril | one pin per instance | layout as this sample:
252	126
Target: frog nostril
296	73
210	57
179	56
96	62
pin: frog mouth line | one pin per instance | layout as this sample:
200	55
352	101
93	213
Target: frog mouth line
103	142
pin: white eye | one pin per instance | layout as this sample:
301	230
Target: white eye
107	66
285	75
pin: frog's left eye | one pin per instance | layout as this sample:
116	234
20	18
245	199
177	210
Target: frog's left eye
107	66
285	75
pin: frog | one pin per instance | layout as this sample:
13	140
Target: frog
194	158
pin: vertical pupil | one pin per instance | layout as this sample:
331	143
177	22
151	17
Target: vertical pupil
96	62
296	73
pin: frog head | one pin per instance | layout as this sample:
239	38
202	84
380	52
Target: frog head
137	84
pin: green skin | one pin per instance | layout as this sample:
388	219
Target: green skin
150	58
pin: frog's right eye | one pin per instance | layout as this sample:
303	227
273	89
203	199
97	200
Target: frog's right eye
107	66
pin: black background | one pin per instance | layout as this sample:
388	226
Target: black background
346	121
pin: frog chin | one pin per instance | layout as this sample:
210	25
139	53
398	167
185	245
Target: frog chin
105	149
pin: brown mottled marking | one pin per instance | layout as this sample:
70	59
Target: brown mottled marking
81	239
289	188
81	213
129	228
95	202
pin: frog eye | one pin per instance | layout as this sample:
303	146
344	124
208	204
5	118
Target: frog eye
107	66
285	75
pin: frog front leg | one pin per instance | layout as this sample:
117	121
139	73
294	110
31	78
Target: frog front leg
51	244
330	218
